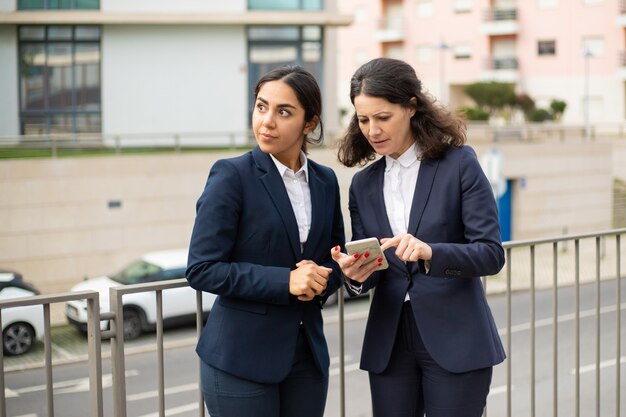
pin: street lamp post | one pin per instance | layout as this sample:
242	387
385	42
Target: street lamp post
586	54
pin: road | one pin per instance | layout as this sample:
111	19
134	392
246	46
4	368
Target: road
26	389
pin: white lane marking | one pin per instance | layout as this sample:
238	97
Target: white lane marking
174	411
498	390
62	352
592	367
27	415
348	368
335	359
560	319
172	390
74	385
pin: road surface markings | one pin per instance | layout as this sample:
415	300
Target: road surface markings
592	367
498	390
562	318
71	385
174	411
173	390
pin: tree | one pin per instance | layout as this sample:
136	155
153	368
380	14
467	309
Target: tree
557	108
492	96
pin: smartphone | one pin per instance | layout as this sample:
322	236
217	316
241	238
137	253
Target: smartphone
370	245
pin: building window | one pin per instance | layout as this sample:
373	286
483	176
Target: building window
273	46
59	69
593	45
58	4
463	6
547	4
424	53
424	8
285	4
462	51
546	48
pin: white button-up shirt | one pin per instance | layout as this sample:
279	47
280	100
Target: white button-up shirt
297	185
399	189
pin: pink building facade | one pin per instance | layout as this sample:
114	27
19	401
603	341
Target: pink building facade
570	50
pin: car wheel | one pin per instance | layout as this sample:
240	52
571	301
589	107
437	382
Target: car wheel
18	338
133	324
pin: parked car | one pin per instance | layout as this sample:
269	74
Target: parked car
179	304
21	326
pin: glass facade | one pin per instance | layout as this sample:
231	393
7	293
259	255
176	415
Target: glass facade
273	46
285	4
59	69
58	4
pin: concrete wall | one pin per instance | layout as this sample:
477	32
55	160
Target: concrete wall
56	226
558	188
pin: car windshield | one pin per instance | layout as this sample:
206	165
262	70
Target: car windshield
136	272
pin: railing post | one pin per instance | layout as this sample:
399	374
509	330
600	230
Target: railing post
3	402
117	354
48	360
199	325
95	355
53	146
342	361
118	146
177	143
618	268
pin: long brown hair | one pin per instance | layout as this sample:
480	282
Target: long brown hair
434	128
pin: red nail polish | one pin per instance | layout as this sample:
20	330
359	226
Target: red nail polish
380	264
356	256
337	247
380	260
366	254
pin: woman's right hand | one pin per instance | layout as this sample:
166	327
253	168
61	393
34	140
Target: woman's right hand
352	265
308	280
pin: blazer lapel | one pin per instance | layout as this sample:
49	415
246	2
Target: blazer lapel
319	207
276	189
376	196
424	185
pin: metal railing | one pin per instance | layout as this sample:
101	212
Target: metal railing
500	14
555	265
56	143
93	341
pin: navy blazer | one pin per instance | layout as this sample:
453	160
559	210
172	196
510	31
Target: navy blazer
453	211
244	244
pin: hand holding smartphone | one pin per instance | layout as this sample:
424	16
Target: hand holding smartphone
370	245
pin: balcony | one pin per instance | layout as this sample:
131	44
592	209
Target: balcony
621	18
500	22
621	71
390	29
502	69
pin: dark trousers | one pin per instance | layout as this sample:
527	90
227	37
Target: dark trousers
414	385
301	394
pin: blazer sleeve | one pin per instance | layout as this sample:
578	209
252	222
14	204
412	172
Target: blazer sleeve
359	233
482	253
213	238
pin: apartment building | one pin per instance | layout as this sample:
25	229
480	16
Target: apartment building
124	67
570	50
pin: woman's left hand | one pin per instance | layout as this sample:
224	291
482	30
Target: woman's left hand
408	247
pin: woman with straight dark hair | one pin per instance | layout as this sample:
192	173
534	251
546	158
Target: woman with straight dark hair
263	227
430	342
